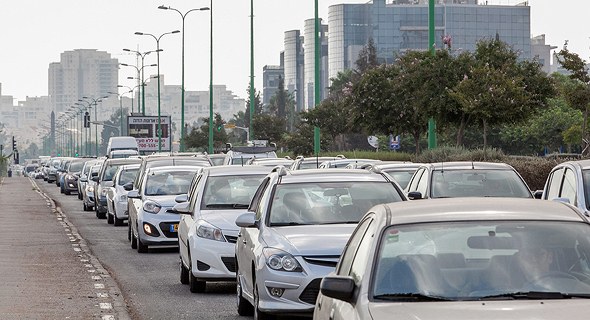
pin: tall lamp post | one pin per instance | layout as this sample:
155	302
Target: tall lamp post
95	102
79	110
89	131
182	15
132	91
120	108
158	63
142	55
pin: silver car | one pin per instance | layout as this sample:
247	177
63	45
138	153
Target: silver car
207	232
150	222
295	230
467	258
117	195
570	182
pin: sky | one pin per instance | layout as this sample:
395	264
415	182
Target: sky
33	34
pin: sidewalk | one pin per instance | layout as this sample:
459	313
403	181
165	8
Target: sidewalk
46	270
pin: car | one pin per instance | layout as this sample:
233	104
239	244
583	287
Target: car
151	220
294	232
207	232
70	178
61	172
122	143
118	154
52	169
466	179
569	182
302	163
107	170
162	160
401	172
88	196
240	155
342	163
468	258
117	211
270	162
217	159
30	170
83	179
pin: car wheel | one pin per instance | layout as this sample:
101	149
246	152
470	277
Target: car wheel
195	285
110	218
67	192
128	231
183	273
244	307
99	214
259	315
85	207
79	195
141	247
117	222
61	190
133	240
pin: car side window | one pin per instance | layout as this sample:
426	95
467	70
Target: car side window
258	195
555	184
414	182
568	190
263	199
359	262
351	248
193	195
423	183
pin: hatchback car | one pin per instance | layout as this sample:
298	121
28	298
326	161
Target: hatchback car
294	232
207	232
117	211
301	163
401	172
107	171
150	222
463	259
570	182
466	179
88	199
342	163
71	176
84	174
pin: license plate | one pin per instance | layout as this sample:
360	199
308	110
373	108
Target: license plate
173	228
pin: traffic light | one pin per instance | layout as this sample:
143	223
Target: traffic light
16	158
13	144
59	154
219	127
87	120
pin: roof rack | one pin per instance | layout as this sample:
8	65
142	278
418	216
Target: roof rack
281	170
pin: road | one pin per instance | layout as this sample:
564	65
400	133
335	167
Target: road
149	282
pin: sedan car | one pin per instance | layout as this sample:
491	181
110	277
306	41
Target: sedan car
401	172
466	179
475	258
570	182
294	232
301	163
105	175
117	211
150	222
207	232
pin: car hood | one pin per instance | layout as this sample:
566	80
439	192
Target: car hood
506	309
303	240
223	219
167	201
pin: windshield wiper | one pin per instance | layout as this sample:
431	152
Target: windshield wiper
341	222
537	295
228	205
410	296
284	224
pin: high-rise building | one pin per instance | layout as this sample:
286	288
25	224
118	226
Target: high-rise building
309	60
542	51
271	75
82	73
294	65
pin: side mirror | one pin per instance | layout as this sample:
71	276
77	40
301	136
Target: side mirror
181	198
108	184
415	195
538	194
338	287
128	186
83	180
181	208
95	178
246	220
134	194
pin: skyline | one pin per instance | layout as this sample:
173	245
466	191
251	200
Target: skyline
107	26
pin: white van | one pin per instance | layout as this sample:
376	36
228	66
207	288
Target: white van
122	143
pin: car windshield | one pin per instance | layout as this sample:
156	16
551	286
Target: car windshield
309	165
76	166
402	177
168	183
109	172
482	260
327	202
217	161
127	176
88	167
230	192
478	183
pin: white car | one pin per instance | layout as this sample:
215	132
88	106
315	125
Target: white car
463	258
207	232
150	222
117	210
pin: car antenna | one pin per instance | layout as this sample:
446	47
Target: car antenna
472	165
442	169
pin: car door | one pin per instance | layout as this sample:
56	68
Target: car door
569	187
135	206
188	220
553	188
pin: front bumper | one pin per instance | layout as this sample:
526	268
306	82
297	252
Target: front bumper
214	260
160	224
71	185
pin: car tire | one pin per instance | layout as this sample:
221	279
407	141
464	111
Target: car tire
128	231
85	206
100	215
133	240
195	286
67	192
183	273
79	196
244	307
110	218
259	315
117	222
141	247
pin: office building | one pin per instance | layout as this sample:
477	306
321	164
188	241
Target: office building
309	60
294	65
271	75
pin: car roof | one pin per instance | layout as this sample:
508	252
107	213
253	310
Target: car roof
459	165
172	168
479	209
129	166
322	175
584	164
122	161
229	170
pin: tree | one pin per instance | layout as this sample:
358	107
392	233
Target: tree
269	127
331	116
111	128
367	58
257	106
198	138
302	142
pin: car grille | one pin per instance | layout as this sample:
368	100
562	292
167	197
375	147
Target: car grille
165	227
310	294
327	261
231	239
230	263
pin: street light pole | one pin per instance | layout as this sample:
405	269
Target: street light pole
182	85
142	55
158	63
88	134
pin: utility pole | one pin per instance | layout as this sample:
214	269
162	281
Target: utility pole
431	30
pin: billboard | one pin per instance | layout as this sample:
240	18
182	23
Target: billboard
145	130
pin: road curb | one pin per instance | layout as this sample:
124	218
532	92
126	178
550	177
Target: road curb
106	287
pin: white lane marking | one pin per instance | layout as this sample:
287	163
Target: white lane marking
105	305
102	295
96	278
98	286
77	249
108	317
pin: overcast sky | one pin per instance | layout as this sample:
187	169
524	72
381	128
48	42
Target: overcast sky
35	32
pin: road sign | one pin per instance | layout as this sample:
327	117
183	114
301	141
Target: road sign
393	143
145	130
230	126
373	141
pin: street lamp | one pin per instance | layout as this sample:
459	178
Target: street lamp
95	102
142	55
132	91
158	62
121	108
89	131
182	85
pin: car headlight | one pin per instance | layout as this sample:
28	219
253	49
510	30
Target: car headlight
280	260
123	198
104	192
151	206
208	231
71	178
90	189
